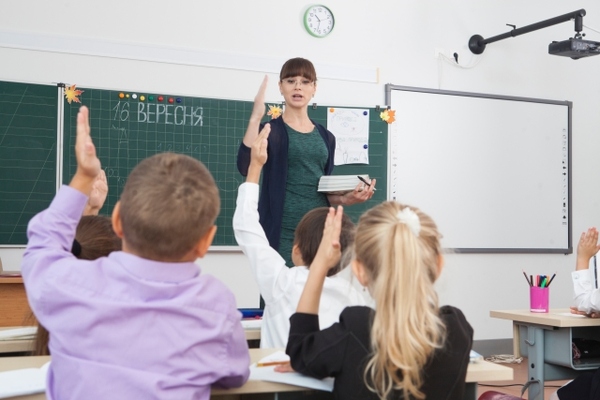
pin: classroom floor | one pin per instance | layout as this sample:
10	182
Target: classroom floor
514	387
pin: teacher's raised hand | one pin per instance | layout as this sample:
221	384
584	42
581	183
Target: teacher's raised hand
258	112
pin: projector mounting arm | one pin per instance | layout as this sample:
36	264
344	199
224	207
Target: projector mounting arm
477	43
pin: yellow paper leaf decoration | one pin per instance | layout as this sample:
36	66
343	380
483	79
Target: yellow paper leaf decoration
274	111
388	116
72	94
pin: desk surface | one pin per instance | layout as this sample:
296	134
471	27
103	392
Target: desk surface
479	371
559	317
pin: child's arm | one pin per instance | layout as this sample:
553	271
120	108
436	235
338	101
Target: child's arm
327	256
51	232
586	294
268	267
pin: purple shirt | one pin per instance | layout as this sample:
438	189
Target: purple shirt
123	327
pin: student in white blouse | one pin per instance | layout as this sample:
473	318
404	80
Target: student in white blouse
279	285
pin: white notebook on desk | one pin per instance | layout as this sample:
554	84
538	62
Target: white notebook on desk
291	378
20	382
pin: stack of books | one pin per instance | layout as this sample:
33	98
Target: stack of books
340	184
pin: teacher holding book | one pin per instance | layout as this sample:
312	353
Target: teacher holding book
300	151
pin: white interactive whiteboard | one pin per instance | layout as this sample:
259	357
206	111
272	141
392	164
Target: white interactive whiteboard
494	172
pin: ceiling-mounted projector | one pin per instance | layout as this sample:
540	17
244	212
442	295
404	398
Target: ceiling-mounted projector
575	48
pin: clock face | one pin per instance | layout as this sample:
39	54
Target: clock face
318	20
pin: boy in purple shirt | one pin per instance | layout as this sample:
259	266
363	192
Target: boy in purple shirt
142	323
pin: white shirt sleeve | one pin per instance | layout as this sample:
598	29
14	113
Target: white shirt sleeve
586	295
268	267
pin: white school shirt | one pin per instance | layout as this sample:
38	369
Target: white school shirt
281	286
585	293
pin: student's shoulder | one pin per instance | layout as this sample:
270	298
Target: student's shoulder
357	316
455	321
210	287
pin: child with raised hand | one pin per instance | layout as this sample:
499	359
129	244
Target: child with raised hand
407	347
585	284
279	285
586	302
142	323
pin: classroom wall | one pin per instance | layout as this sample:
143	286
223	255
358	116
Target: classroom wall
397	39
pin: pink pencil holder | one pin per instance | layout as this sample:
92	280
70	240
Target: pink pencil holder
539	299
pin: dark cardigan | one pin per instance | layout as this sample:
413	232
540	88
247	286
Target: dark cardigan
274	178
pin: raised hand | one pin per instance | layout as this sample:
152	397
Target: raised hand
258	111
588	244
329	251
97	195
88	164
258	154
259	147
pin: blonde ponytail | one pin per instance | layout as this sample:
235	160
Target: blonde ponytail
399	248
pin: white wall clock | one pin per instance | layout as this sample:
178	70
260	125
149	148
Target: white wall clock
318	20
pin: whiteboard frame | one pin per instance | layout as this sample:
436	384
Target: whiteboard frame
568	248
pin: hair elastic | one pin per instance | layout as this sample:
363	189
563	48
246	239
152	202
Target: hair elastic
410	219
76	248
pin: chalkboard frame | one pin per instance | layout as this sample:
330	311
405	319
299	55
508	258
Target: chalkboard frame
565	246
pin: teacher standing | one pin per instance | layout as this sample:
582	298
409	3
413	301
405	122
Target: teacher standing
300	151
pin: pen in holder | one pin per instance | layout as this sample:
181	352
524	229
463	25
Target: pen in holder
539	299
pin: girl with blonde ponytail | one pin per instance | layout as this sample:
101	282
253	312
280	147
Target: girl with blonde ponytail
409	348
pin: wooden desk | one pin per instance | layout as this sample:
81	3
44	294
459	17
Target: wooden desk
545	339
480	371
14	308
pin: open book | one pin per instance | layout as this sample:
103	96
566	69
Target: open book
268	373
20	382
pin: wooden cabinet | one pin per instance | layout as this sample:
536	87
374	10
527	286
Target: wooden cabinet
14	308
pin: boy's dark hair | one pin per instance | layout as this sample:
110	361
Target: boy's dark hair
169	202
298	67
309	233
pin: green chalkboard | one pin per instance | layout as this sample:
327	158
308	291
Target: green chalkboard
28	137
129	126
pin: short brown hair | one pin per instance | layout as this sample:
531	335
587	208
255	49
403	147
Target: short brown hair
169	202
298	67
309	233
